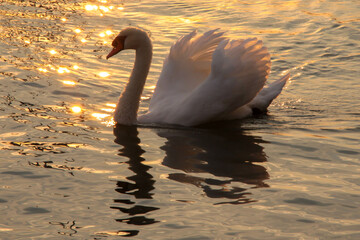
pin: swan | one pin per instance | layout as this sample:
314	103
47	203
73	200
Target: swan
206	77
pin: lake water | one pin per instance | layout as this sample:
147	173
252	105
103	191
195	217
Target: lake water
66	173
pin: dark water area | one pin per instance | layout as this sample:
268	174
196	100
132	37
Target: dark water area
66	172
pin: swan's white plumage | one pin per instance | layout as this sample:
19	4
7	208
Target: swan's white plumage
206	77
188	65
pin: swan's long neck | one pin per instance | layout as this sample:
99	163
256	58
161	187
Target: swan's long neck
128	105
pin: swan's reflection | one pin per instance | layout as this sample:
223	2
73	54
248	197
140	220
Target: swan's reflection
226	155
141	183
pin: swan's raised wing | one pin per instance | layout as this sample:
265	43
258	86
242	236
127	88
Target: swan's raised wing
187	66
239	70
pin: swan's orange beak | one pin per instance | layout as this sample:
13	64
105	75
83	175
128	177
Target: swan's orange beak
118	45
113	52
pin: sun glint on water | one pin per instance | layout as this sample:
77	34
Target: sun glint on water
103	74
76	109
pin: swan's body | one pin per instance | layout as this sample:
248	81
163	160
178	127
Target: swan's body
205	78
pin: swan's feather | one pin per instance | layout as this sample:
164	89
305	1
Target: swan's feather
239	70
268	94
261	102
187	66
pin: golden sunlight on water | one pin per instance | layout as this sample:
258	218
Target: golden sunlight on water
68	82
6	229
63	70
100	116
42	70
91	7
104	74
111	105
110	110
115	233
102	9
76	109
66	172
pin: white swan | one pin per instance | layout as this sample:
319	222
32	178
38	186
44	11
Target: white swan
205	78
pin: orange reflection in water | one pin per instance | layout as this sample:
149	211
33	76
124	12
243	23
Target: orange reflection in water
91	7
109	233
111	105
104	74
108	110
68	82
106	33
76	109
102	8
42	70
63	70
109	123
151	87
100	116
106	117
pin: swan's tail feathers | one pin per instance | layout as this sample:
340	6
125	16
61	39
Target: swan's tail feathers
264	98
243	67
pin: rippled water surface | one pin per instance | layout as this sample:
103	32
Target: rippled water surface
66	173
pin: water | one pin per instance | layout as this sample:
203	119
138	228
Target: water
65	174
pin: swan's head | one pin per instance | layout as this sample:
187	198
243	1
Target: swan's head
129	38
